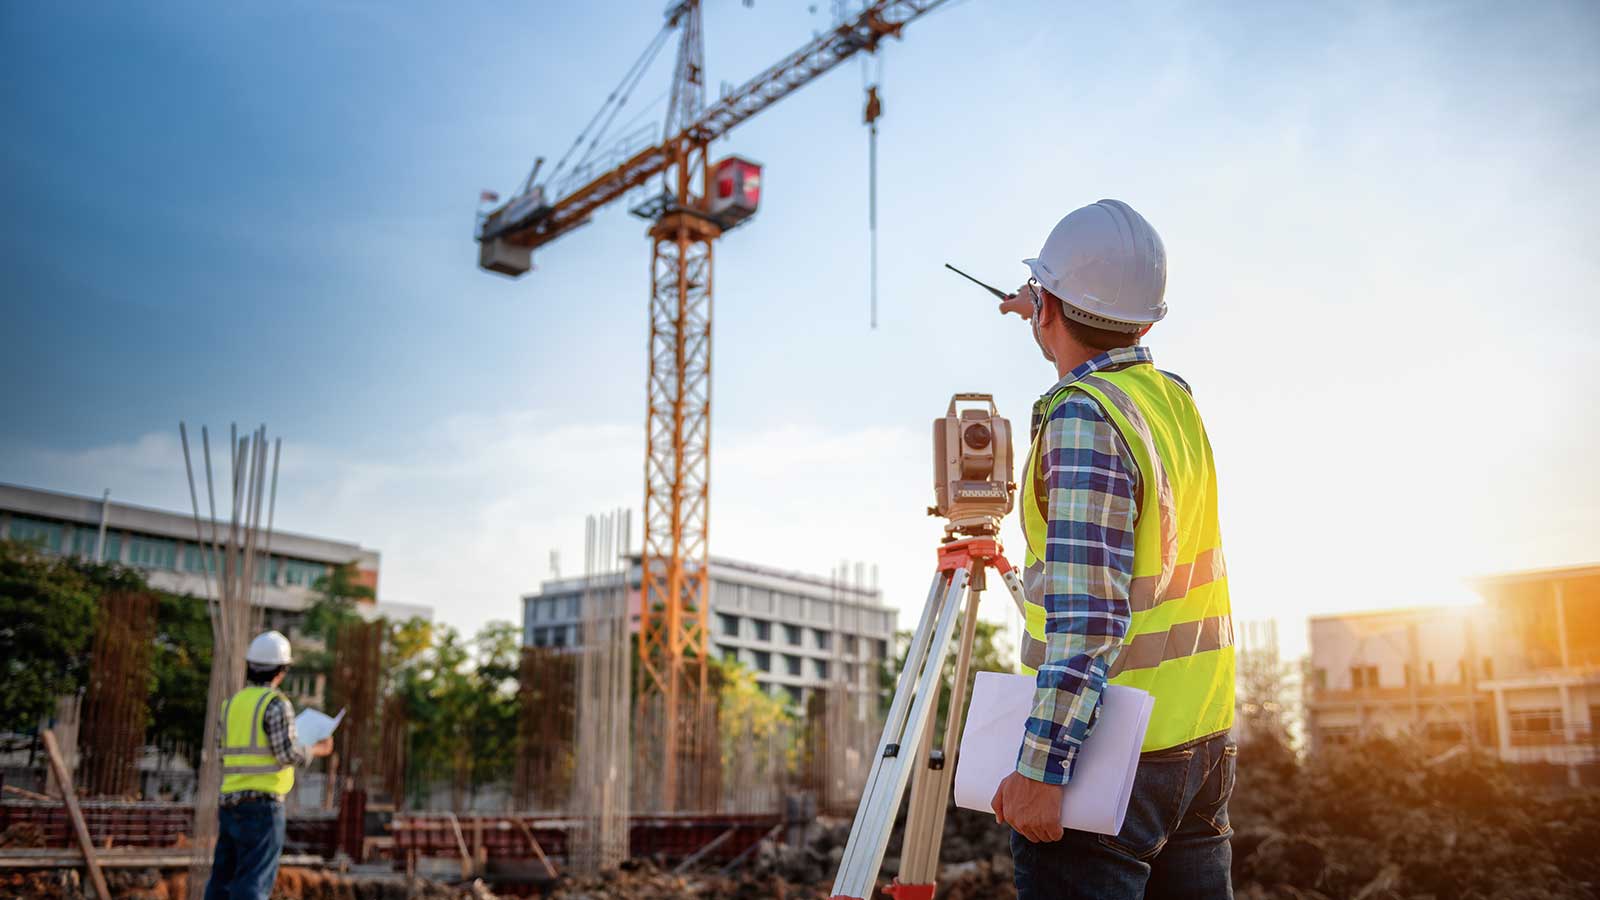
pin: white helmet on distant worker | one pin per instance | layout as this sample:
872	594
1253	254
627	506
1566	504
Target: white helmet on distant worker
268	649
1107	265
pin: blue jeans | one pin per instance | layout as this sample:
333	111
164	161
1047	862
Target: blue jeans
249	843
1174	842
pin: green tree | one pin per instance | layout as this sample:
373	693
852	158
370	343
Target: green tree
182	672
335	605
989	654
47	615
494	702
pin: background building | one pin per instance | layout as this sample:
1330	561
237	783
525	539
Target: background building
162	544
1545	678
795	632
1399	671
1520	674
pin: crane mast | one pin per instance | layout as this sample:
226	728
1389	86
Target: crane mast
673	708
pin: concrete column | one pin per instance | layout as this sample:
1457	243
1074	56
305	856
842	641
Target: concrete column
1502	722
1569	725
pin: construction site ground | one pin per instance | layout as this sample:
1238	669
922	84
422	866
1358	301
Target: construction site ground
1376	822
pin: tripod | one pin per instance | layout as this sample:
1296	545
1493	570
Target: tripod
963	562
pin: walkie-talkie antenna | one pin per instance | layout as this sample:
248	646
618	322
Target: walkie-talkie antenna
1002	295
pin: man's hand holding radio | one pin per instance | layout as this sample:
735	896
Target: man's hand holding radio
1019	303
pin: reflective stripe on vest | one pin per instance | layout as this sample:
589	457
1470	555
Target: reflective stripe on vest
1179	643
247	760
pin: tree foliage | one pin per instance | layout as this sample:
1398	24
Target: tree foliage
989	654
47	615
182	664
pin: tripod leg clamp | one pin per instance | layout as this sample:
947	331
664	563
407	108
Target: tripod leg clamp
909	891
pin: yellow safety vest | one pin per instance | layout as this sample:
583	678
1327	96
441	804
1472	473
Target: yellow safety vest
247	760
1179	644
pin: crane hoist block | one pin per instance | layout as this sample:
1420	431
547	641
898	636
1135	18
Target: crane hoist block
500	255
734	192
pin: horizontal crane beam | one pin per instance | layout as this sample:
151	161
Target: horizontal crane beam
535	226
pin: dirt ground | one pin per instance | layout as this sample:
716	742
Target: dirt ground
1382	821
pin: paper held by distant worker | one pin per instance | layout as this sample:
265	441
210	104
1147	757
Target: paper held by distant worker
313	725
1096	799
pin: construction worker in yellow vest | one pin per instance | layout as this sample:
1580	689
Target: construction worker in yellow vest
1125	578
259	752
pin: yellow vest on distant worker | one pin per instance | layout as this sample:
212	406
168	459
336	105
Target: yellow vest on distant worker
1179	644
247	760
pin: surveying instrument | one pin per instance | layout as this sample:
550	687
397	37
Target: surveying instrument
974	491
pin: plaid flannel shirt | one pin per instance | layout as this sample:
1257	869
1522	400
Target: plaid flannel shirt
278	721
1091	490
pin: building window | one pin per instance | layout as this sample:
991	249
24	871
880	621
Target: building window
1534	727
763	629
558	636
763	660
795	695
851	645
850	673
791	635
541	637
821	666
792	664
44	535
730	624
572	606
880	649
196	557
152	553
1363	677
1335	736
300	573
730	654
824	639
1448	732
84	538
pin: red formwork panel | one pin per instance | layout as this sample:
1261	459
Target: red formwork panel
669	837
149	823
433	834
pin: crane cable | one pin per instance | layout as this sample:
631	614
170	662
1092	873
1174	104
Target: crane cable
870	116
630	79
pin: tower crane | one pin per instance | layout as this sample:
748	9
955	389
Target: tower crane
698	203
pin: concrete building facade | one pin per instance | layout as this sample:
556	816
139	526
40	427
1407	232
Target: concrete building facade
162	544
795	632
1545	683
1519	674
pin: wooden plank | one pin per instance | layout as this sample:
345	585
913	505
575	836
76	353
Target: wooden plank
30	795
537	850
158	858
711	845
85	843
461	844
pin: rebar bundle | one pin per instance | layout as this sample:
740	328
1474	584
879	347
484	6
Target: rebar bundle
117	700
353	687
395	734
234	550
546	722
600	799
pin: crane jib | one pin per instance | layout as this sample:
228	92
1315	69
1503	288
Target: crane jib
542	225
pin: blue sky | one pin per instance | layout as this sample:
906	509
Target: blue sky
1380	221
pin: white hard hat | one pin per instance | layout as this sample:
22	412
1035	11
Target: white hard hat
268	649
1107	265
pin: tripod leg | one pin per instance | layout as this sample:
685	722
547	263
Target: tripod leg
919	855
886	784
